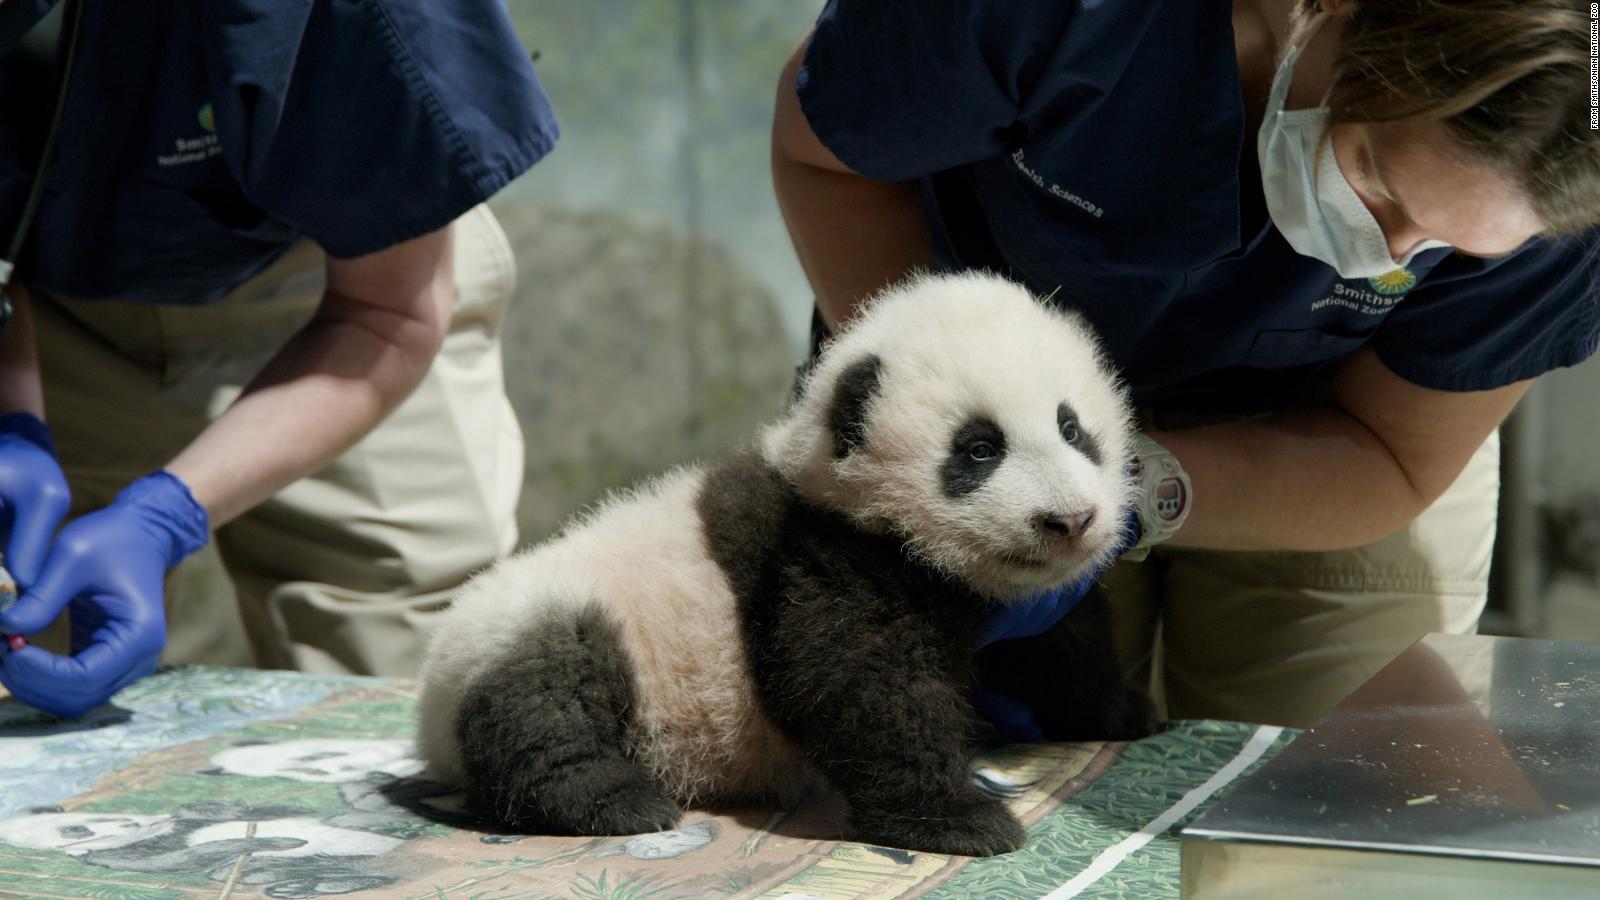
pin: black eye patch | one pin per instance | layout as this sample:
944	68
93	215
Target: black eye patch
1073	432
975	454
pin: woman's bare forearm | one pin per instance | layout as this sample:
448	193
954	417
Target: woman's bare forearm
372	340
1334	477
20	387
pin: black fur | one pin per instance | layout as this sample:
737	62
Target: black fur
847	418
743	506
864	657
1066	676
963	472
543	735
1085	441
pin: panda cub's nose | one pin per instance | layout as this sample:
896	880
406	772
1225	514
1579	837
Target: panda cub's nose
1067	525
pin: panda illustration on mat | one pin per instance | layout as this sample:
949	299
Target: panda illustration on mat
803	615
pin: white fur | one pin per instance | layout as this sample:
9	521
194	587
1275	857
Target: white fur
951	347
642	557
954	346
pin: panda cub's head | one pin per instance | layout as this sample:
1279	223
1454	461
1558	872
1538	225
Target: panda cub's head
983	428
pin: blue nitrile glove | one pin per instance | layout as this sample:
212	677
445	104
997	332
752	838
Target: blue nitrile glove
1011	718
110	566
1037	614
33	494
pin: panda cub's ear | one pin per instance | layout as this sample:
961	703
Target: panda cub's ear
852	394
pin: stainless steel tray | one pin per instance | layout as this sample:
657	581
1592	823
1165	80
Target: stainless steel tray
1469	763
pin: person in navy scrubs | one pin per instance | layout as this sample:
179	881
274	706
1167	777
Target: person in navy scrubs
260	300
1328	244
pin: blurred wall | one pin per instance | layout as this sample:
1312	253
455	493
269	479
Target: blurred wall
1547	574
660	309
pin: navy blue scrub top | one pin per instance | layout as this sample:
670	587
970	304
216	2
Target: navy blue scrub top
1093	148
202	139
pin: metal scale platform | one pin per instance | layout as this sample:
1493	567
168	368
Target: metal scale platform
1468	768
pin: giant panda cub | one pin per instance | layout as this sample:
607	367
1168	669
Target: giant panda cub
803	614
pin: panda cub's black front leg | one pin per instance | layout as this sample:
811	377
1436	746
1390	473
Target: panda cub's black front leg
1069	678
893	733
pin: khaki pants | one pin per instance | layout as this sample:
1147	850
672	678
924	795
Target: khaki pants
343	571
1281	637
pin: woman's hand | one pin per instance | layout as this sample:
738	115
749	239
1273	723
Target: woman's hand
34	497
108	567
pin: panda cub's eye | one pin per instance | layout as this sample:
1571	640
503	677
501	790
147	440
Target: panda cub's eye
977	451
1072	432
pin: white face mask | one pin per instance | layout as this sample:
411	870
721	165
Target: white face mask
1310	202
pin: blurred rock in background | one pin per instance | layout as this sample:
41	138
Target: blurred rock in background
660	309
617	369
666	112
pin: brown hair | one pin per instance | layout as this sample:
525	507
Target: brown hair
1507	79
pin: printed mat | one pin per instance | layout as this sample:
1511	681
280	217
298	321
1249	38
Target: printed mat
202	782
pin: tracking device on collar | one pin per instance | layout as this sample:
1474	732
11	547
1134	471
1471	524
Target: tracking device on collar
1164	495
67	51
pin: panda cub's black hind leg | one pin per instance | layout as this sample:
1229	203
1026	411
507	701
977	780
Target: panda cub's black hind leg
543	735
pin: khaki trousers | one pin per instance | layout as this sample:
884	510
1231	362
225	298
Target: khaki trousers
343	571
1281	637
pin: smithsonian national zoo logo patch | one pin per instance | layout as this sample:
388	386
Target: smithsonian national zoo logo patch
1380	294
1397	282
196	147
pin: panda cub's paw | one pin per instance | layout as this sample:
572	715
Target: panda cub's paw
633	809
1132	717
1120	714
972	825
605	796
